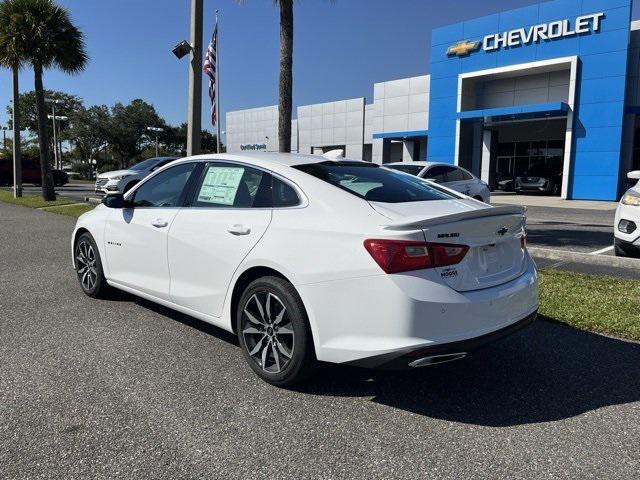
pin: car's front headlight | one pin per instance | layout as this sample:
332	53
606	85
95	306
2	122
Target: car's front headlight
119	177
631	198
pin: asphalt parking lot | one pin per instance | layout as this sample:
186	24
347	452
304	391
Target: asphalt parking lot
578	226
124	388
573	229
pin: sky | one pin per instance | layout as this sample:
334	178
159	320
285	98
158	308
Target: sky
341	48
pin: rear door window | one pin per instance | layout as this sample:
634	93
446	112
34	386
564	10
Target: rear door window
283	195
233	185
437	174
466	175
454	174
372	183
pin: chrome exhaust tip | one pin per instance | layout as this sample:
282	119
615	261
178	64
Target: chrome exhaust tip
437	359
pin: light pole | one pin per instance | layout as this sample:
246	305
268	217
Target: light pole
54	102
17	153
157	131
56	137
194	49
4	137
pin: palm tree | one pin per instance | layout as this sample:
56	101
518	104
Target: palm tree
11	58
286	74
45	37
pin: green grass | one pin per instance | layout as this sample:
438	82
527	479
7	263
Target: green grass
33	201
600	304
63	206
74	210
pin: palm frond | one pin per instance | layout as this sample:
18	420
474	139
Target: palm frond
40	32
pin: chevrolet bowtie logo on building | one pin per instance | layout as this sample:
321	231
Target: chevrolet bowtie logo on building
463	48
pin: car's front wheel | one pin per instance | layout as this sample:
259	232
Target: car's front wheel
274	333
89	267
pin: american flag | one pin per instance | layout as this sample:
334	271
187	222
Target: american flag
210	67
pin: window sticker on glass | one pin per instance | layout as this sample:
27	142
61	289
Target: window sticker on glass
220	185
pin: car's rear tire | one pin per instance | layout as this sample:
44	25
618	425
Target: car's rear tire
89	267
273	331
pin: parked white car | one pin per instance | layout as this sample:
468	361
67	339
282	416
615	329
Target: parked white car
309	259
123	180
627	222
451	176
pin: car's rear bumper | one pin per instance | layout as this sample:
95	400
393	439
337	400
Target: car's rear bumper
440	353
365	319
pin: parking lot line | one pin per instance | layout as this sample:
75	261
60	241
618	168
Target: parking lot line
604	250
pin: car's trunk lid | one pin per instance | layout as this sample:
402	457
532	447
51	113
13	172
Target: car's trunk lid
493	235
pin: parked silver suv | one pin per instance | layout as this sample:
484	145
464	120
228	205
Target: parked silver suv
122	180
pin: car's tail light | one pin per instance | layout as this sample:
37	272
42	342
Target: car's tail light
395	256
523	241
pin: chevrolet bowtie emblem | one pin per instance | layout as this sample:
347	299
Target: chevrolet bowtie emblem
463	48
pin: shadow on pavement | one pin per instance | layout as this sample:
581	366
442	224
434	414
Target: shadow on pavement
551	237
544	373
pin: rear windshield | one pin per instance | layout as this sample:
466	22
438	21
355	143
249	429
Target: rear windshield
375	184
412	169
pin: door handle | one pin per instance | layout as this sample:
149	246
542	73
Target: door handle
238	229
159	223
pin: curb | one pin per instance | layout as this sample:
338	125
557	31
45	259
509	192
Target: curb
584	258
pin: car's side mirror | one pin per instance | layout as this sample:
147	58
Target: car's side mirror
634	175
116	200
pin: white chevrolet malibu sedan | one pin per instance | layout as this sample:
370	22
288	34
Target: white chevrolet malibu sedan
307	259
627	220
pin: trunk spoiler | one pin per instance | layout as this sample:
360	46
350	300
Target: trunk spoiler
421	222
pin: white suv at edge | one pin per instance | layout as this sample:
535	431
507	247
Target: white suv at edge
627	222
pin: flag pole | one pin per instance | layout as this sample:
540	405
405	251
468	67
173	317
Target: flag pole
218	88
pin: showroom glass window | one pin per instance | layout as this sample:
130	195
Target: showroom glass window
164	189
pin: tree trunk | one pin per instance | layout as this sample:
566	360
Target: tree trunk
48	190
17	153
286	75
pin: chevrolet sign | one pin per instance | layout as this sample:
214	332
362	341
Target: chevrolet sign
463	48
533	34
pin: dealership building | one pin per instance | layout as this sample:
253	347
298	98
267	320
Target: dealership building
553	84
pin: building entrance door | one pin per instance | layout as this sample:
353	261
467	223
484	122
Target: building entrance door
514	159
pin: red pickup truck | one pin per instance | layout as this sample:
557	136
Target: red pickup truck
30	174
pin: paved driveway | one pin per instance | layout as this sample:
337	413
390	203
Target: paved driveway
123	388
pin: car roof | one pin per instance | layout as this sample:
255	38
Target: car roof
159	159
271	158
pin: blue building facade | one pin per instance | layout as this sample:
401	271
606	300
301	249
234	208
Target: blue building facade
544	83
